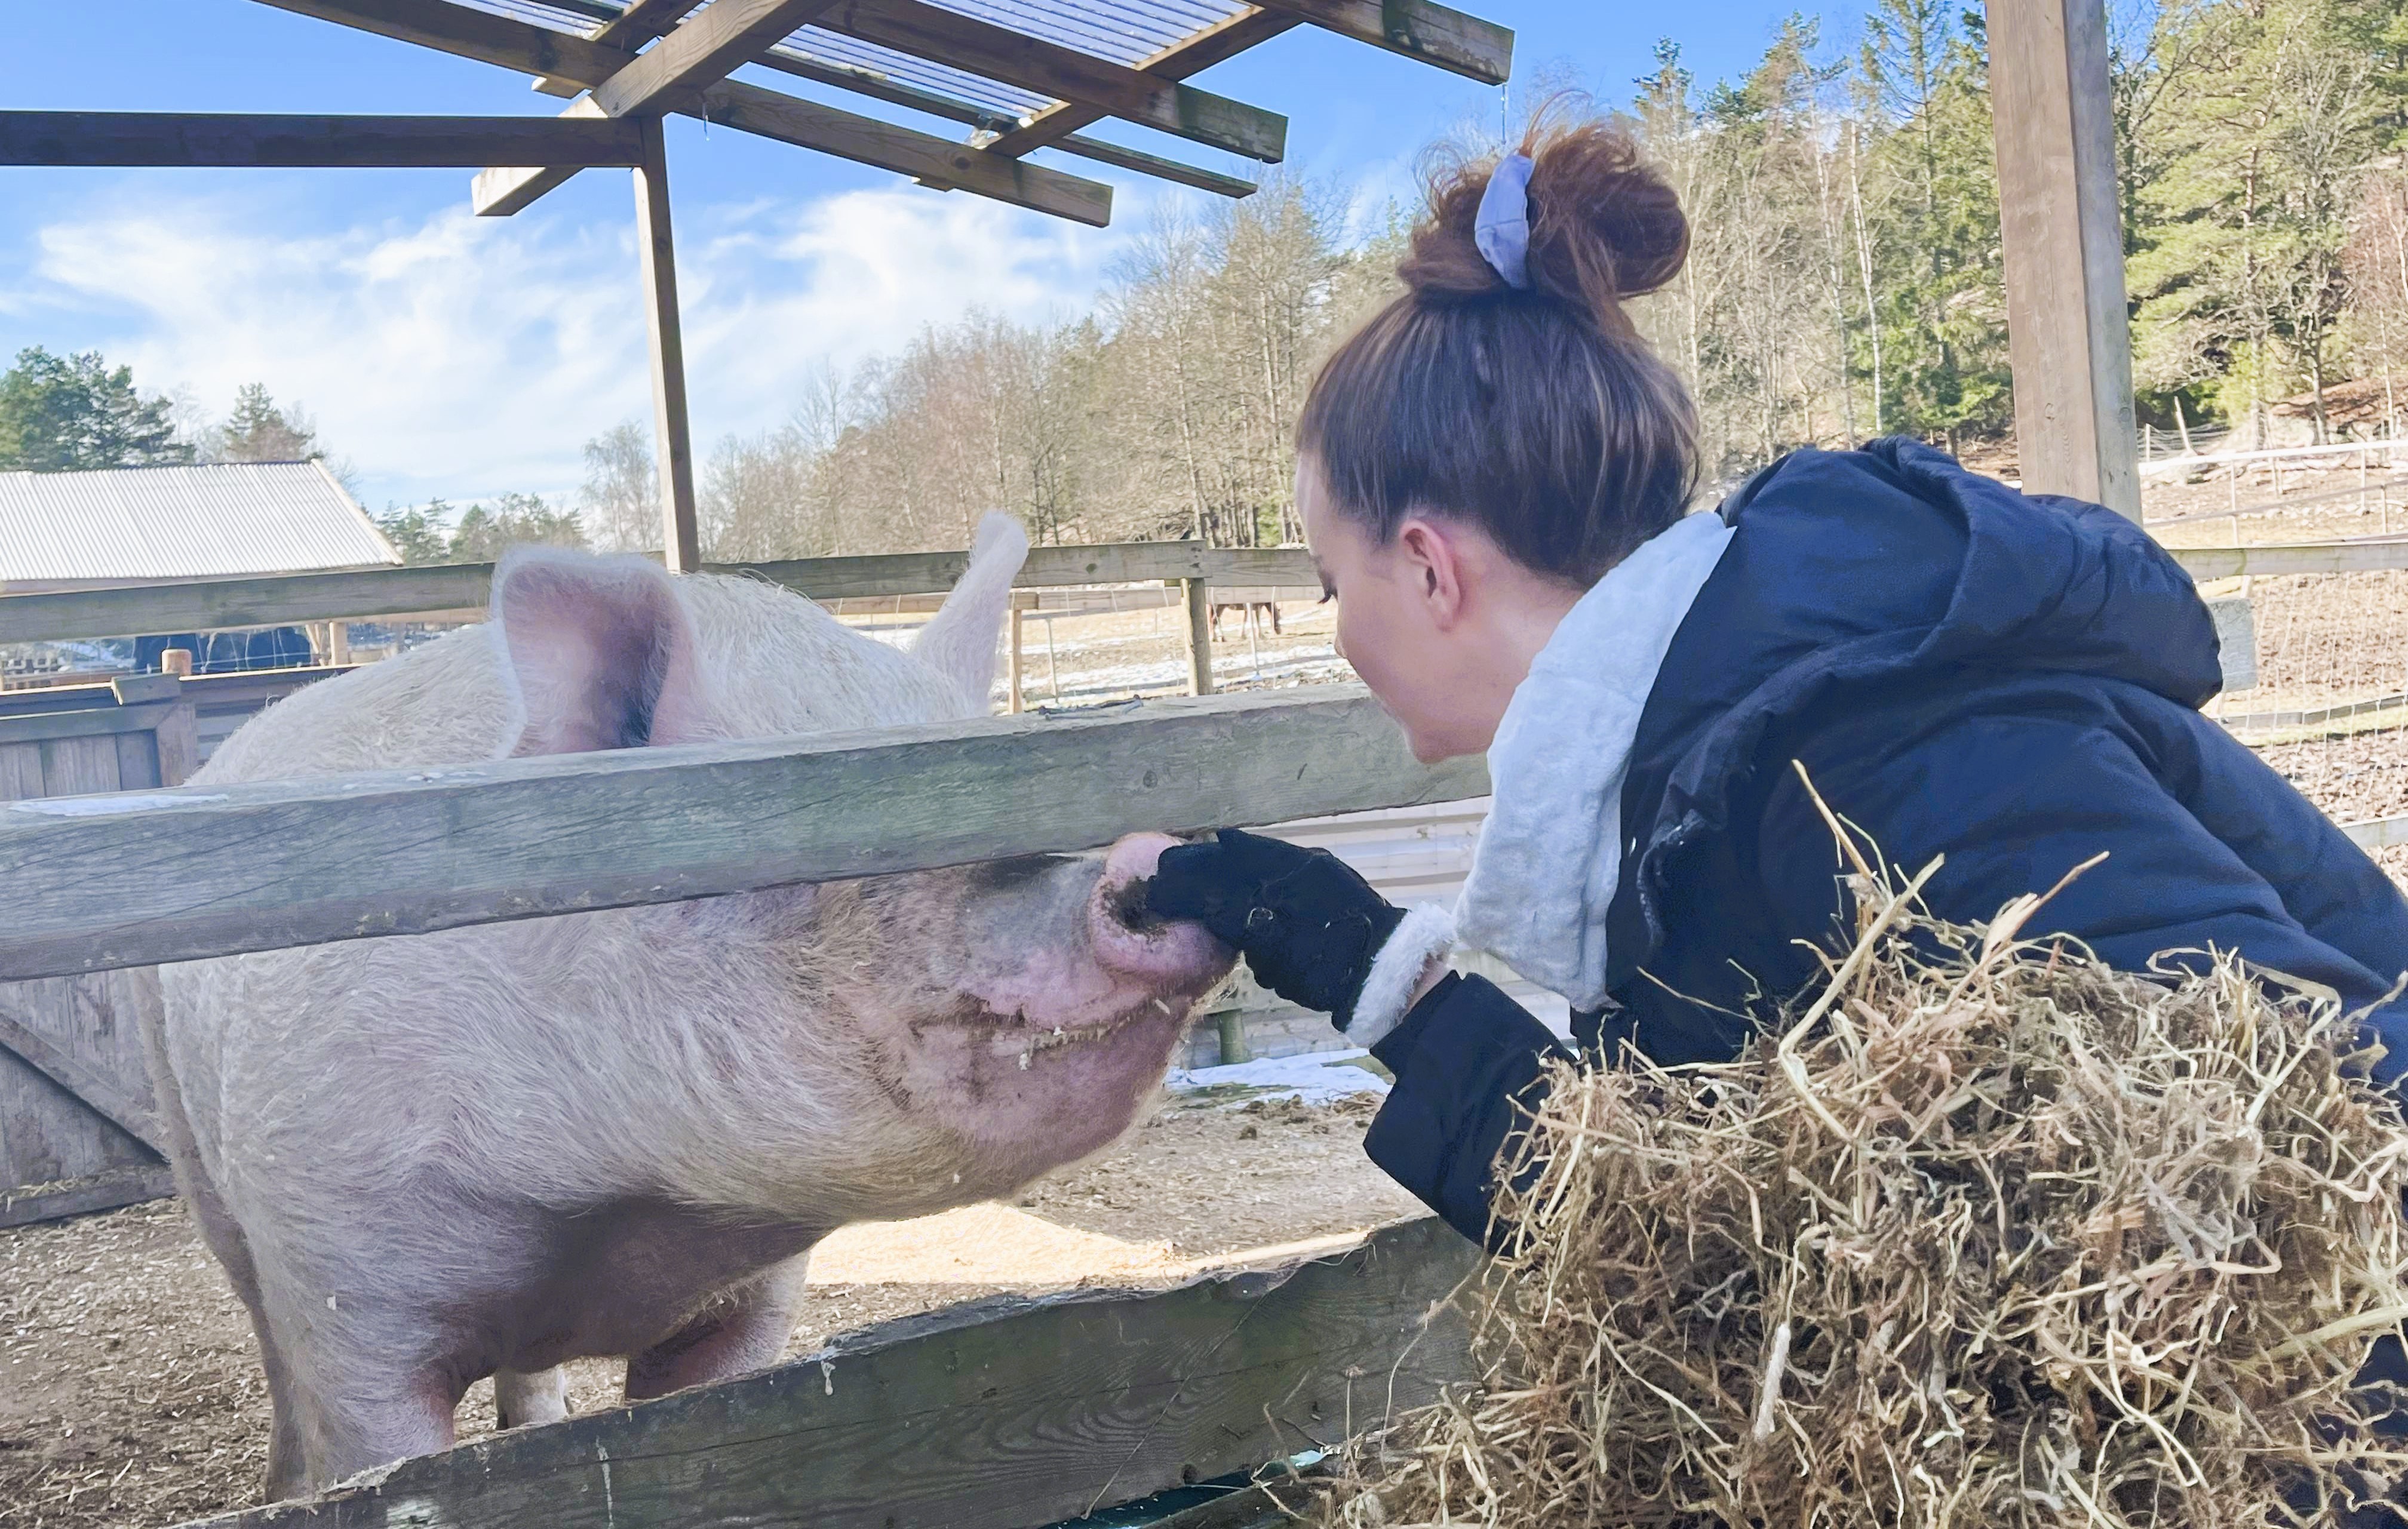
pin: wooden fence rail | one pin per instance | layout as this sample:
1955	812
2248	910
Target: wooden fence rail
998	1415
212	604
101	882
208	605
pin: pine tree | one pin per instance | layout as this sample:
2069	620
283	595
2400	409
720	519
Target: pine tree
74	414
260	431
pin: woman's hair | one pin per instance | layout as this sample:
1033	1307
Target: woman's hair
1538	413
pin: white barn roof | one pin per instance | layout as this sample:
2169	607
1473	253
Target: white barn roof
134	525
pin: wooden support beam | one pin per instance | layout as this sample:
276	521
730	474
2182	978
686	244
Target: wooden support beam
1419	29
502	191
2063	239
479	34
104	881
930	160
278	600
703	51
999	52
633	28
514	44
880	87
175	139
2206	562
1225	41
996	1414
673	440
105	1191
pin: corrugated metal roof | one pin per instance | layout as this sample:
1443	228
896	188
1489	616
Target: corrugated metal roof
1123	31
222	520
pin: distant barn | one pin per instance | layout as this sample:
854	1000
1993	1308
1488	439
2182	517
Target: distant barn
159	525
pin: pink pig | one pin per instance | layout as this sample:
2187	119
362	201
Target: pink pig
488	1151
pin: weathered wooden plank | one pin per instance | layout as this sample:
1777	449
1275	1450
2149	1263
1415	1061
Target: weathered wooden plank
2378	833
174	138
92	1085
137	762
171	875
2207	563
999	52
633	28
467	32
1197	597
704	50
104	1192
2061	235
882	86
209	604
78	762
924	157
570	59
1418	29
505	190
1226	39
672	438
994	1416
98	722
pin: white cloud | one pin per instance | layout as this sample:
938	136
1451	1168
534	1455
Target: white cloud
458	356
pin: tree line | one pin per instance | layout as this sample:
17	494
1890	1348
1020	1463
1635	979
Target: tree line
1844	282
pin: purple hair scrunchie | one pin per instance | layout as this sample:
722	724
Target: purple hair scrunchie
1501	228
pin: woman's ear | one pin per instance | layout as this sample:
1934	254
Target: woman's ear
1433	568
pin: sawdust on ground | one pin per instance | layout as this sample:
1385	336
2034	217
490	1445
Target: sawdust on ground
130	1393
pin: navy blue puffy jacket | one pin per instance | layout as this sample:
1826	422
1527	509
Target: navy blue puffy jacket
2010	681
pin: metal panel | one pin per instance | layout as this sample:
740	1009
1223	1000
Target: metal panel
130	524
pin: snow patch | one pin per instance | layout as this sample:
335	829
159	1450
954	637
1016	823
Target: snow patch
1315	1078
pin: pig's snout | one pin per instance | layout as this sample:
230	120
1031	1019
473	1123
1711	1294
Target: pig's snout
1129	940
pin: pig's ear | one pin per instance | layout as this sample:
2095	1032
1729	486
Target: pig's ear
959	641
596	653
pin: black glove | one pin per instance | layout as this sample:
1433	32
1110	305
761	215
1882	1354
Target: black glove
1307	923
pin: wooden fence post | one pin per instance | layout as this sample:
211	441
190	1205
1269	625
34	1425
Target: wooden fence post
1013	671
683	547
2061	232
1199	636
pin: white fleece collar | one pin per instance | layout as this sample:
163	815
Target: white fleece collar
1550	854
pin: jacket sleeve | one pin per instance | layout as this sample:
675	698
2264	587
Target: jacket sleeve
1468	1061
2205	849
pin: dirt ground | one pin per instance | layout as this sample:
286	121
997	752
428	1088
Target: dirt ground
130	1394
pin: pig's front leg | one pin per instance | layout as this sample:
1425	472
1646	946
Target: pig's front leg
744	1328
522	1399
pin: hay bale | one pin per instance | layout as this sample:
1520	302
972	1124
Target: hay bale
1991	1235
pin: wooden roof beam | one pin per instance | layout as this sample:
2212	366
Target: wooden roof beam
880	87
633	28
1054	126
999	52
700	54
172	138
932	161
1419	29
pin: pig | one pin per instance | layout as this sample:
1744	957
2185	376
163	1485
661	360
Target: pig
429	1159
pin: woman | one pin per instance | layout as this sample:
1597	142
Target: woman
1493	475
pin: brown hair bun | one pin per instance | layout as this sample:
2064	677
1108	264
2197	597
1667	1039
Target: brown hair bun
1604	225
1539	415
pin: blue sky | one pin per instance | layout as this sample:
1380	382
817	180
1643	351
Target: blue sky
448	355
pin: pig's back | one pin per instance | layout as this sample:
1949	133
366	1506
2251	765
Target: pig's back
777	664
443	703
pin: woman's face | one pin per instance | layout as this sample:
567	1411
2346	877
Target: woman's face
1405	636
